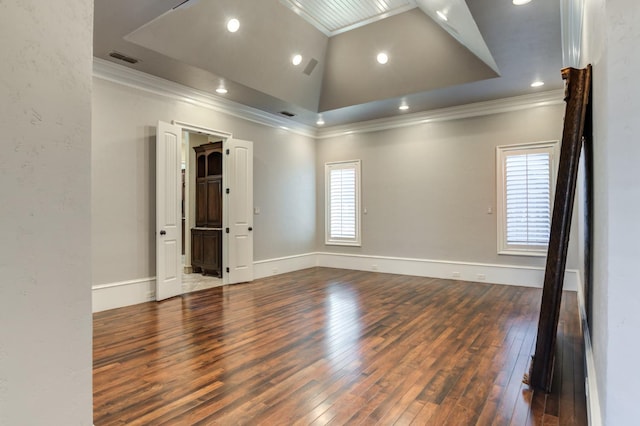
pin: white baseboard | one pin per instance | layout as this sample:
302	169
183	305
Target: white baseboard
463	271
132	292
124	293
281	265
591	382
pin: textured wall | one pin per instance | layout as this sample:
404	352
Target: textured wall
612	45
45	263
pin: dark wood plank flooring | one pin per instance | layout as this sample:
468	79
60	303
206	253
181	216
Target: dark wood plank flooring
326	346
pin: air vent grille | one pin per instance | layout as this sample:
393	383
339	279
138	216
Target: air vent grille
310	66
124	58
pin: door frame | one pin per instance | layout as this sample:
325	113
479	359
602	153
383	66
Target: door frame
224	136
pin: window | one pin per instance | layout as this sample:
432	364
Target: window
342	203
525	188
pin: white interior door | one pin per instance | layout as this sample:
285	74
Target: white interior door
168	211
238	211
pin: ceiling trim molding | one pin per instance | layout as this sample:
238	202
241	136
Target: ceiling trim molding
116	73
571	13
516	103
460	25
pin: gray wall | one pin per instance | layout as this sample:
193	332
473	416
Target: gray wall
611	44
45	262
427	188
123	181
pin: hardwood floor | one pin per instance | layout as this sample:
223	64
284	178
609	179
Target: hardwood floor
326	346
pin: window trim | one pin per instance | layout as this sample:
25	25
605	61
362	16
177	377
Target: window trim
357	241
502	152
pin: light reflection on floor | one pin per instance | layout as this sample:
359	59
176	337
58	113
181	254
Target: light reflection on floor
343	327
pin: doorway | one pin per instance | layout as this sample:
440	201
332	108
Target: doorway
202	210
175	153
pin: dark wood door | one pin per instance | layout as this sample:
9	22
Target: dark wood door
212	249
196	248
214	202
201	202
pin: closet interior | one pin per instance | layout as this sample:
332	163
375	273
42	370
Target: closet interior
206	236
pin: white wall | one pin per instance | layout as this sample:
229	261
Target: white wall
45	300
123	180
612	45
428	187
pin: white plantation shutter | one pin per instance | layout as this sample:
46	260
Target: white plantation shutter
528	198
342	202
525	185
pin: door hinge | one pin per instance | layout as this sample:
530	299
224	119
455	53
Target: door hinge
227	230
227	270
228	152
227	190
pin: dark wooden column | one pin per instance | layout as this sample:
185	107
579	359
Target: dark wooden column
587	157
578	83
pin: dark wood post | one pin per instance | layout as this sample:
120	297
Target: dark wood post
587	157
578	82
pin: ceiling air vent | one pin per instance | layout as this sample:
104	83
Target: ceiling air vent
185	3
287	113
122	57
310	66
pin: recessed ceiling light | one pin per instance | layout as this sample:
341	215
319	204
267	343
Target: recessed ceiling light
537	83
296	60
403	107
442	16
382	58
221	90
233	25
320	122
521	2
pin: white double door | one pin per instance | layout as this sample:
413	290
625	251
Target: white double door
237	243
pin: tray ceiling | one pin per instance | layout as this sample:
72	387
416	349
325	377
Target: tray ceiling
334	17
481	51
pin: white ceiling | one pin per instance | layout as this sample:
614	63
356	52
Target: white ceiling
333	17
485	50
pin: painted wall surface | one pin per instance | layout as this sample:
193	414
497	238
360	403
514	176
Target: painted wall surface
45	262
612	44
123	180
428	188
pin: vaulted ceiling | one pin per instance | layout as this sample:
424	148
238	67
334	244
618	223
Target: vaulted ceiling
440	53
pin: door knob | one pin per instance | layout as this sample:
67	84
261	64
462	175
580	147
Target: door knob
163	232
250	228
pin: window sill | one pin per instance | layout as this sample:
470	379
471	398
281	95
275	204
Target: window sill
520	252
343	243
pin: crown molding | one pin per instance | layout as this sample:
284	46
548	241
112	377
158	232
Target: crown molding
571	13
516	103
116	73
